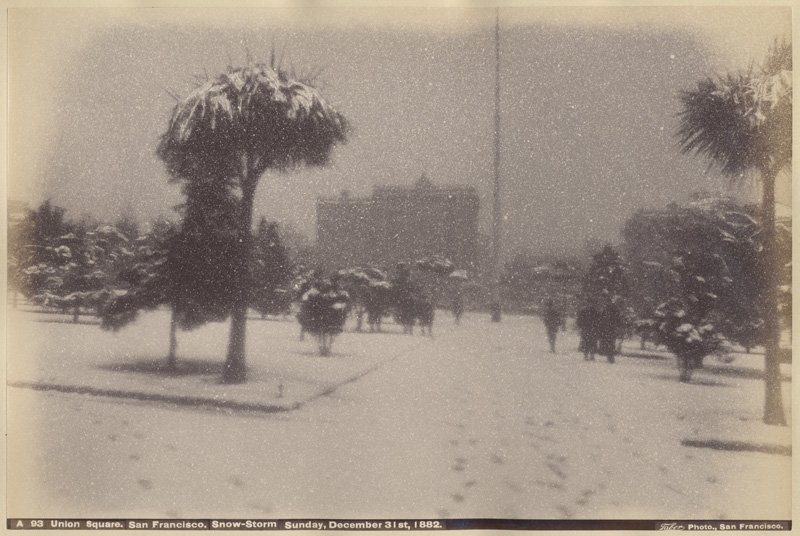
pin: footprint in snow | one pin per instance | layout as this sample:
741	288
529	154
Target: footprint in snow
236	481
584	498
497	459
564	510
549	484
260	507
145	484
557	470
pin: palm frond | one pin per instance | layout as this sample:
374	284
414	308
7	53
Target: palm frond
280	122
740	121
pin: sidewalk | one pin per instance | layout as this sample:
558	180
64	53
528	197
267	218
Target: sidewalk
47	352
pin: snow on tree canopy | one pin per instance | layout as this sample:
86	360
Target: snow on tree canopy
323	308
436	264
278	121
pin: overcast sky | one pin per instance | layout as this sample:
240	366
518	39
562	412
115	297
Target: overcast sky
589	98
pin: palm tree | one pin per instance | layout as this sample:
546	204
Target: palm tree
234	128
743	122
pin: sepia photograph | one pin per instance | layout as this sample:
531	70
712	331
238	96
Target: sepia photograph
315	266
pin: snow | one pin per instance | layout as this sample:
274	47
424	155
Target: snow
479	421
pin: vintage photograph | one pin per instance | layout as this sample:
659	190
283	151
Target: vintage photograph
454	267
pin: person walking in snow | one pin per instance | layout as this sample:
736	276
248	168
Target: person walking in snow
458	307
610	324
553	320
587	323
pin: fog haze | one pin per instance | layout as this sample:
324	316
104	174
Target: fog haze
588	106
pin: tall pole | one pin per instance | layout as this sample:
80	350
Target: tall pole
496	306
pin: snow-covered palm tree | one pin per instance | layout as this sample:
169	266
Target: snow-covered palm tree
233	129
743	122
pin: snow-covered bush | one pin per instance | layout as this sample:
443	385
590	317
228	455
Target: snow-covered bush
323	311
369	291
688	335
438	265
685	322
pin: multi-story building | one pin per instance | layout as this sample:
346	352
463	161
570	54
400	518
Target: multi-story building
399	224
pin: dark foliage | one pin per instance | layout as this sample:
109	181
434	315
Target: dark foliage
270	271
254	111
742	120
323	308
606	277
713	226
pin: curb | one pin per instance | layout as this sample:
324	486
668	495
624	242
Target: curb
157	397
199	401
739	446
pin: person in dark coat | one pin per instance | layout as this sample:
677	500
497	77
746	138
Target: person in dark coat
458	307
587	323
553	320
610	326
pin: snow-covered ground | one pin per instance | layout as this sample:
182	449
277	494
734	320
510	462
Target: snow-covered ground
480	421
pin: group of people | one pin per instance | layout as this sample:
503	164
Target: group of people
598	322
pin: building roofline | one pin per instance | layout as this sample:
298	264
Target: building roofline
382	191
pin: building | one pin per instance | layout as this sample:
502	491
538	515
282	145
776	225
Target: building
399	223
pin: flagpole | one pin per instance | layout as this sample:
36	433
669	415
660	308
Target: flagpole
496	305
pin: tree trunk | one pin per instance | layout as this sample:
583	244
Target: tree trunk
173	341
235	370
76	313
773	399
235	367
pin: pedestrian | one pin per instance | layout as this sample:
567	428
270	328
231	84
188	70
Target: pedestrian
458	307
553	321
587	323
610	326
